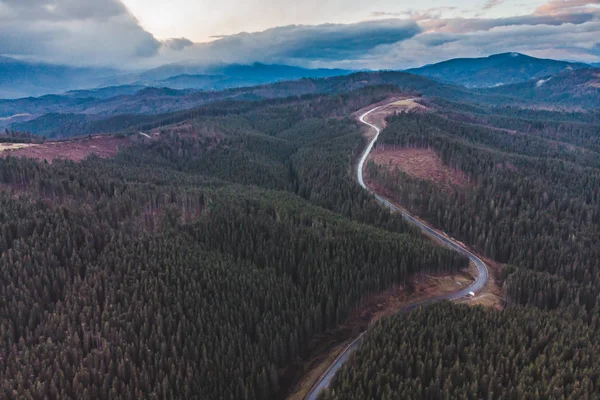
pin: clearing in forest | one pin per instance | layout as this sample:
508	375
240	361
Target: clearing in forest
73	149
420	163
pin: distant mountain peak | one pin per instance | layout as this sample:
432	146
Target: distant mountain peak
579	88
494	70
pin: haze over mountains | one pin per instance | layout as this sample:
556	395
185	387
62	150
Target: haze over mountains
21	78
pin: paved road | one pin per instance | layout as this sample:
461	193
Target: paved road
480	281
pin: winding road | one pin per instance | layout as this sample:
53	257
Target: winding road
480	281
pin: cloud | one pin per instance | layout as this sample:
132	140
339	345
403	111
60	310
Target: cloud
298	44
99	32
565	29
69	31
467	25
555	7
104	32
492	3
379	14
320	42
177	44
569	41
416	15
63	10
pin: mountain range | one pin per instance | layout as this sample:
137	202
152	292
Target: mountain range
109	109
254	74
570	88
20	78
50	114
232	76
496	70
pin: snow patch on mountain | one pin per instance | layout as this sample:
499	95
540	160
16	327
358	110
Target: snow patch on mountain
541	82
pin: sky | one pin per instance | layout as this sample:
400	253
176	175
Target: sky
172	18
352	34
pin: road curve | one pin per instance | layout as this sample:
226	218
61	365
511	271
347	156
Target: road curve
480	280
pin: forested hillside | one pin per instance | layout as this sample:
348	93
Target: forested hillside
77	113
447	351
533	198
196	264
530	198
578	88
205	257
